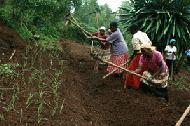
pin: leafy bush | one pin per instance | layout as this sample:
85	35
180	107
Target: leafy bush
48	42
24	32
51	31
6	13
31	16
7	69
76	33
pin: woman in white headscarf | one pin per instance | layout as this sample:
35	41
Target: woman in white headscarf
156	71
139	38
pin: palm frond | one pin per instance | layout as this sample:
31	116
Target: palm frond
162	19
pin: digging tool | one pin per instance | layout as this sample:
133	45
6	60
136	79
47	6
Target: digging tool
92	45
71	19
113	71
120	67
12	55
149	79
183	116
6	88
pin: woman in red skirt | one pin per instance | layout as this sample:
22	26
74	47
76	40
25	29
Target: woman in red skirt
119	49
139	38
130	80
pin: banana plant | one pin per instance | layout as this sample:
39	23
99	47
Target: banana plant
161	20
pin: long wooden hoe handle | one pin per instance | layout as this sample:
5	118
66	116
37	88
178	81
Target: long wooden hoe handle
183	116
113	71
73	21
12	55
131	72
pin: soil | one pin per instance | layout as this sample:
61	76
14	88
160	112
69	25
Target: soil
9	38
88	100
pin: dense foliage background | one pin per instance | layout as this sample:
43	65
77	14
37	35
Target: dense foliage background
160	19
47	17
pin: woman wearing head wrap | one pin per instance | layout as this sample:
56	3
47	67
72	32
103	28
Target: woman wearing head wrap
155	70
139	38
104	52
170	55
101	34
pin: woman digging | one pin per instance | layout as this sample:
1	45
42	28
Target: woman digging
155	70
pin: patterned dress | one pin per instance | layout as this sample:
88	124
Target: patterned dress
119	51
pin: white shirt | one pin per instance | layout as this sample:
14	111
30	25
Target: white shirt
170	52
140	38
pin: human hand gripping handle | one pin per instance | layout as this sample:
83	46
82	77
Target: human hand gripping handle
148	77
93	37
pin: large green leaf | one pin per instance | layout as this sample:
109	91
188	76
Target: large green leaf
187	30
163	19
178	31
158	23
166	29
174	27
149	26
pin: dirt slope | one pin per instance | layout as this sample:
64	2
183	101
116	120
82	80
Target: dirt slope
9	37
108	104
90	100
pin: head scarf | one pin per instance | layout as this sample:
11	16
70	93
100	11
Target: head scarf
172	41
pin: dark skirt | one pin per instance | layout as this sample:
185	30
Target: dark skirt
157	91
188	59
170	64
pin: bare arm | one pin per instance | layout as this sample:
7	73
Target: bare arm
139	68
102	39
159	70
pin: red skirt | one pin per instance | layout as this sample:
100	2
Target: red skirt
131	80
118	60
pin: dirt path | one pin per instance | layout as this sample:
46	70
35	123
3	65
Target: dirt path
88	100
108	104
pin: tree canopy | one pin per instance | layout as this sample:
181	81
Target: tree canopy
47	17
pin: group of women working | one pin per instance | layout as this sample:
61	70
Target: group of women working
146	61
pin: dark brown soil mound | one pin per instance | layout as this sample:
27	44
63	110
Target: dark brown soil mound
88	99
9	37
